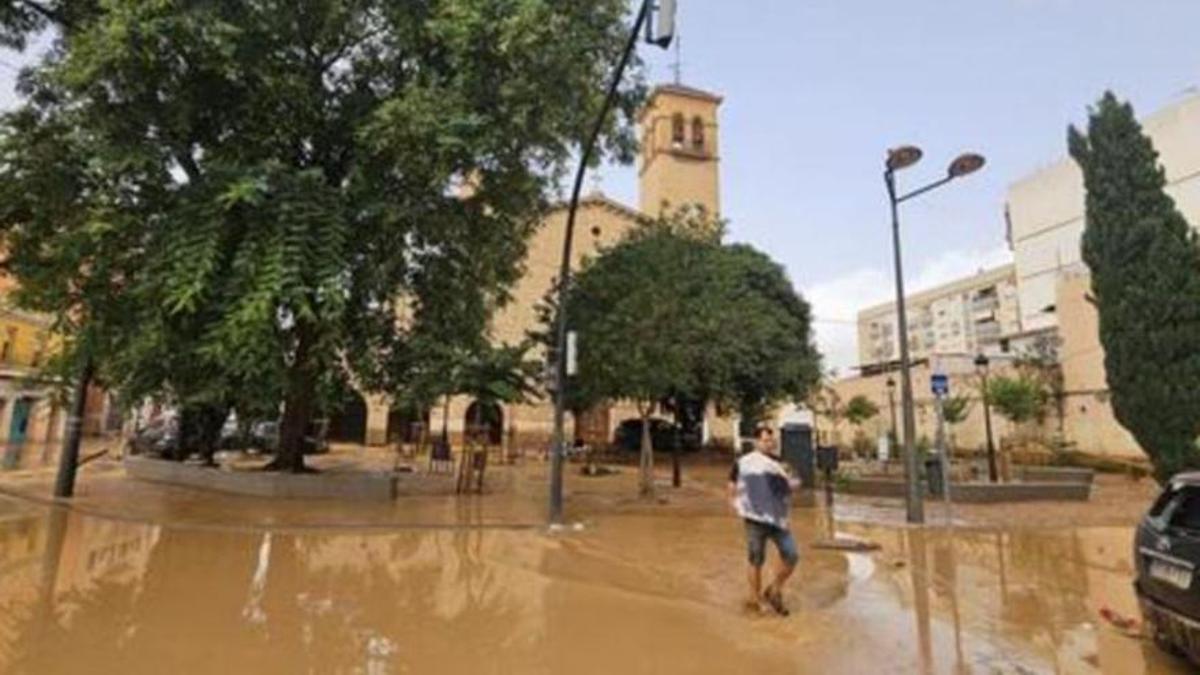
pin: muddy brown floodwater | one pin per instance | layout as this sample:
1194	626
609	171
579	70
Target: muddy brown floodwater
641	589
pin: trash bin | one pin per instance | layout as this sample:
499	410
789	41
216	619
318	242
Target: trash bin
799	453
933	475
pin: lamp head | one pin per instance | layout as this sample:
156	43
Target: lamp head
903	157
965	164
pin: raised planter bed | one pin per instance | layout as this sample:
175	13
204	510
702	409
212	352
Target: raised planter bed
346	485
1055	474
979	493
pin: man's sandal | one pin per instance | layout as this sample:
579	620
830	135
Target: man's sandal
775	599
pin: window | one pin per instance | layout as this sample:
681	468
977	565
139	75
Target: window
697	133
39	351
1186	515
10	339
677	130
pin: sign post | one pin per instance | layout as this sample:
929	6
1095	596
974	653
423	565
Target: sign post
940	384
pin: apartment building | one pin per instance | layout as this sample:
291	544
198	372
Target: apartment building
966	316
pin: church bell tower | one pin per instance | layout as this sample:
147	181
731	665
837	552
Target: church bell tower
680	153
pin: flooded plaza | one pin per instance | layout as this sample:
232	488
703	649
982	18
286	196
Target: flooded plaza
475	586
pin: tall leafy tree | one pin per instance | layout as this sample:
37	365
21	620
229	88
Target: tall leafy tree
285	179
1145	276
668	315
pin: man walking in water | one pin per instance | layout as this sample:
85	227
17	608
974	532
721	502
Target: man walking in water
760	490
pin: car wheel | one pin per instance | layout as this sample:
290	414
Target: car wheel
1163	641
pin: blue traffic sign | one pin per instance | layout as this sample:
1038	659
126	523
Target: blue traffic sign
940	384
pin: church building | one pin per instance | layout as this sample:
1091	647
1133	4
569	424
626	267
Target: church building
679	166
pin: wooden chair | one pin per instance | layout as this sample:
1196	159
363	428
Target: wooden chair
473	463
441	458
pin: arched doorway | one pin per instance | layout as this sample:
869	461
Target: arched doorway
592	425
407	424
349	425
486	419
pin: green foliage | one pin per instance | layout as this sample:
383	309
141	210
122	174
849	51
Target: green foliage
955	409
859	409
668	315
1145	274
1018	399
233	202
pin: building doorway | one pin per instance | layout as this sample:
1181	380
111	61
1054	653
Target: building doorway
407	424
485	420
591	426
349	425
19	427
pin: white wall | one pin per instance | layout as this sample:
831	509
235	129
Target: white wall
1046	209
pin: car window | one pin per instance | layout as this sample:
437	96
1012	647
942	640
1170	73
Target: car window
1161	503
1186	515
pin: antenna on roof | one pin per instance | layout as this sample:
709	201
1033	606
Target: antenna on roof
677	66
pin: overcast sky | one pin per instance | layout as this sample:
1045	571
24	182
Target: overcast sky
816	90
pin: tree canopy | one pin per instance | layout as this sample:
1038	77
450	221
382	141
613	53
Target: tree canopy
267	201
673	314
1145	278
955	409
1019	399
859	409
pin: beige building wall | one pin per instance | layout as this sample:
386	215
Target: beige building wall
680	150
968	437
966	316
1088	420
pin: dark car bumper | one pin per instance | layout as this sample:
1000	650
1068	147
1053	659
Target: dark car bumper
1168	626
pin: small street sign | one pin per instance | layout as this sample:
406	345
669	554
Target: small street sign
940	384
572	354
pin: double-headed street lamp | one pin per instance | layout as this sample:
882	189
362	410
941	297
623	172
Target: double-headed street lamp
897	159
659	32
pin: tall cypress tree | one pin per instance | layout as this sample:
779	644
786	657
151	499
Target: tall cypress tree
1145	268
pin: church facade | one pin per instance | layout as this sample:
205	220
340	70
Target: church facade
678	166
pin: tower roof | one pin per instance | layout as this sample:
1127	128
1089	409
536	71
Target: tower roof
684	90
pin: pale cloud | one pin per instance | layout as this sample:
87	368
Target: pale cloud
837	301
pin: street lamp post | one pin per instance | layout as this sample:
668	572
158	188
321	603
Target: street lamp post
662	37
981	363
891	389
897	159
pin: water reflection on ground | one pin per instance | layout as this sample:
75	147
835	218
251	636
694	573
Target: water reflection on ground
635	592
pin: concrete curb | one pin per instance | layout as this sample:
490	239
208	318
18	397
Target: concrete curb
358	485
980	493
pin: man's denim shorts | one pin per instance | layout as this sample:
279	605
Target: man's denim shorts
757	535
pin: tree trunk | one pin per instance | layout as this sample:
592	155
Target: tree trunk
68	462
184	434
212	420
647	456
676	469
298	409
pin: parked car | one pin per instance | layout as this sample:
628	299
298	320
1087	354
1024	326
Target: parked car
663	434
1167	556
158	438
264	436
233	437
